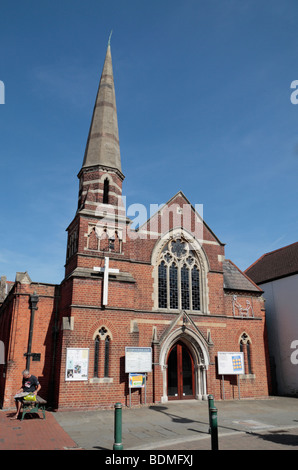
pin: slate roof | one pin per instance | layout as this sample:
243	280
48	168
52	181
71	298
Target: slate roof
275	265
235	279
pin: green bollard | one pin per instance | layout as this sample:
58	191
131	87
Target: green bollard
210	405
118	427
214	430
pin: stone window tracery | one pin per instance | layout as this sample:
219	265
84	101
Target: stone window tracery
101	238
179	279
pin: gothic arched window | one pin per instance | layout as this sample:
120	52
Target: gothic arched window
96	357
179	280
107	357
102	353
245	347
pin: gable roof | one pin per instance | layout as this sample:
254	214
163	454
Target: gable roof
275	264
168	204
235	279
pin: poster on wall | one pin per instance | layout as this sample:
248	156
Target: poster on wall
77	361
230	363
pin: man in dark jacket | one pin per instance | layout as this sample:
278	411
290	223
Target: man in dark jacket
30	384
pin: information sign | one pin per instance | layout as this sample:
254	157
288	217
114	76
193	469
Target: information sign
230	363
137	380
138	359
77	360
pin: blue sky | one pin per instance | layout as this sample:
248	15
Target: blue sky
203	98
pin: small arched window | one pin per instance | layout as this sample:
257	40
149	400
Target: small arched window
106	185
245	347
96	357
107	356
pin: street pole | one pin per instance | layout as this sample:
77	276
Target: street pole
118	427
214	430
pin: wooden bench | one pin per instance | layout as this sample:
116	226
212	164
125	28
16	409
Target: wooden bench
34	406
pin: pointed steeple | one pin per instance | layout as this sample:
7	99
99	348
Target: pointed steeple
103	141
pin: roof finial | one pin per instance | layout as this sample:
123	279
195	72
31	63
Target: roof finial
109	41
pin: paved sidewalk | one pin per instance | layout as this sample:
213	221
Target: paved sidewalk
242	424
33	433
273	439
269	424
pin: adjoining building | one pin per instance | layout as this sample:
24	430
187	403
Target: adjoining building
277	275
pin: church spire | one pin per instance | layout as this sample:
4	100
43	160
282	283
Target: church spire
102	147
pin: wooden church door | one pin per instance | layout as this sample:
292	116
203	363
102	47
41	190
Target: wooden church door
180	370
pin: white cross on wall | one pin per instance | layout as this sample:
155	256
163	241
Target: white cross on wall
106	271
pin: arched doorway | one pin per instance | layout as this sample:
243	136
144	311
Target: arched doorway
180	373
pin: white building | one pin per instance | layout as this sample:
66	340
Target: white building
277	275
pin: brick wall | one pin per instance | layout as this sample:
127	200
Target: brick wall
14	331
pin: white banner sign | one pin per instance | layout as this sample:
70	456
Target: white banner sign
230	363
138	359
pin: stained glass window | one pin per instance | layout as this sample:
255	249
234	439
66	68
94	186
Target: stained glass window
184	287
162	285
179	277
173	286
178	248
195	287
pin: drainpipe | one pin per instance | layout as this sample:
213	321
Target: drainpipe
51	398
33	304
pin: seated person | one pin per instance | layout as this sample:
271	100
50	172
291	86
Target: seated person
30	384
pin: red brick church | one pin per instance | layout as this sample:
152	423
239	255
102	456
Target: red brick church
160	302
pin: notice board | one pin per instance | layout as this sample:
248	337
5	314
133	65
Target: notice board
77	360
230	363
138	359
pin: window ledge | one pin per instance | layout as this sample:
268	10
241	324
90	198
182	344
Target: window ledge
247	376
103	380
174	310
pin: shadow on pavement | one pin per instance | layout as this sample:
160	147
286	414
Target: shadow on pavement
279	437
